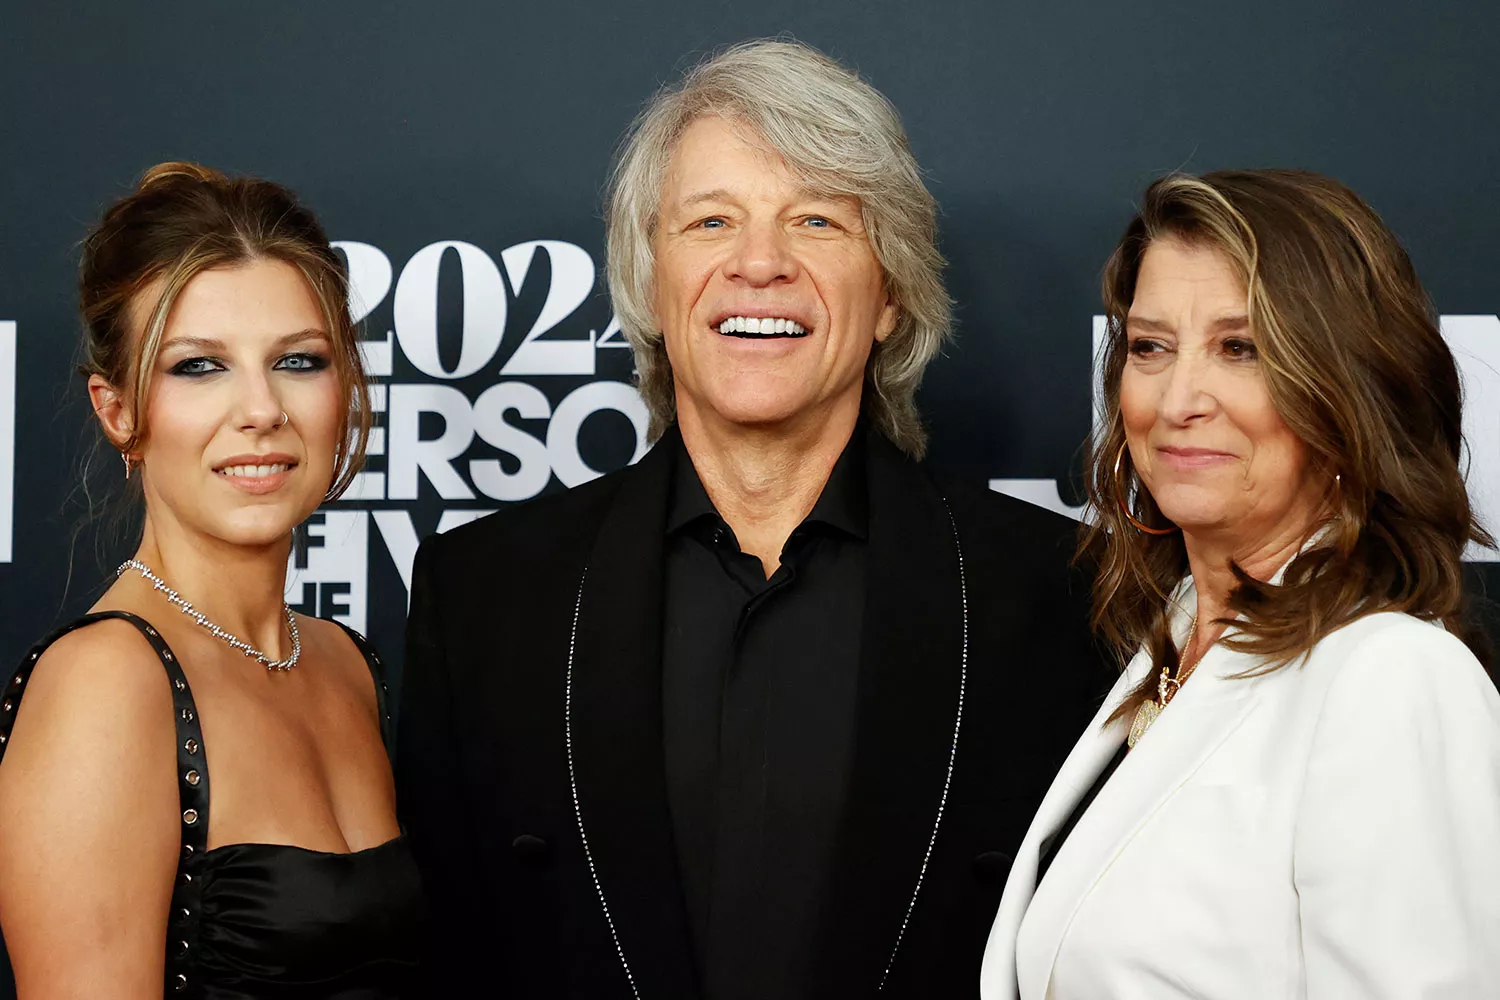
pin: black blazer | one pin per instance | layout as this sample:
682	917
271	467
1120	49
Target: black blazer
491	711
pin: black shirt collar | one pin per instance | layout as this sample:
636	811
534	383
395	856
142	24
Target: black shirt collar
843	504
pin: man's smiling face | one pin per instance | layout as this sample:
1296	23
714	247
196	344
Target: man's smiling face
768	293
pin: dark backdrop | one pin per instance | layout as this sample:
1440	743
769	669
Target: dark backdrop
491	126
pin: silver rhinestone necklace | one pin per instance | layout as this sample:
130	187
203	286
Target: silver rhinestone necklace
202	619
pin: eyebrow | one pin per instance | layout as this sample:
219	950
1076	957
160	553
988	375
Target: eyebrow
805	192
212	344
717	194
1224	324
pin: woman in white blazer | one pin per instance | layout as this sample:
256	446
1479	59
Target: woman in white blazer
1294	788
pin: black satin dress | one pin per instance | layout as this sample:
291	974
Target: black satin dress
265	921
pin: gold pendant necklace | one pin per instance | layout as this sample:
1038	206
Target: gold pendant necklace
1166	688
1144	716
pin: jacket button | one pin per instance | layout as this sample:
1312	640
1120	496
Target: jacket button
530	850
991	868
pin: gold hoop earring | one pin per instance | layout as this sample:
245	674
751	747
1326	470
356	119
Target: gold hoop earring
1125	506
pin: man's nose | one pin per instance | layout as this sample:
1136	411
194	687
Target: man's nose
762	255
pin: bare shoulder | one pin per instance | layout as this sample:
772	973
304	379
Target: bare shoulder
93	692
105	674
327	643
87	785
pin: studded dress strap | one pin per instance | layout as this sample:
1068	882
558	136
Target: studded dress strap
192	790
377	671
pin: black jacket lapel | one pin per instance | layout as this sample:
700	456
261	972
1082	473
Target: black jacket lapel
616	737
910	670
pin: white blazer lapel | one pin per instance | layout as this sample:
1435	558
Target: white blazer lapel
1202	715
1089	756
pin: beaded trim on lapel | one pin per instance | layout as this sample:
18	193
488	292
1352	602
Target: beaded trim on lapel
963	677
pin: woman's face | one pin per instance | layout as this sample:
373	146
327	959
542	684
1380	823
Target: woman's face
1203	433
245	406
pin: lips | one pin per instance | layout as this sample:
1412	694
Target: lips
1183	452
761	327
256	473
1188	458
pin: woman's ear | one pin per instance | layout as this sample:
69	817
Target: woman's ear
109	406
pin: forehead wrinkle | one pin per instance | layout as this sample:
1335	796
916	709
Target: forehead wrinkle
1222	324
812	191
805	190
1147	323
804	178
717	194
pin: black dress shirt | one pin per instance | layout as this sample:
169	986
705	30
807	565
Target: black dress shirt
759	679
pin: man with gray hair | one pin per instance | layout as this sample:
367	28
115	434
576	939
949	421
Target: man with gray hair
774	706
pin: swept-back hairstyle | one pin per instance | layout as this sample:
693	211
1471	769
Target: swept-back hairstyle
1354	363
838	134
183	219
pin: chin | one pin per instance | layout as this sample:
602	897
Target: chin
1193	508
752	409
265	527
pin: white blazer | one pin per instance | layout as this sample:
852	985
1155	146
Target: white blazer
1327	830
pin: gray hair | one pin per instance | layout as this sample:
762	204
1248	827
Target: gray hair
834	131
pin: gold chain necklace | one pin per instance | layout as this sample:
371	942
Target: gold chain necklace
1166	689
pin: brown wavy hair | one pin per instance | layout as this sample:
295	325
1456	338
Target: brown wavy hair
1356	366
183	219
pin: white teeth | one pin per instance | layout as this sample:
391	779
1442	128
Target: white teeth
253	471
759	326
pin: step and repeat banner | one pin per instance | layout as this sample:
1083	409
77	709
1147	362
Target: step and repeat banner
456	153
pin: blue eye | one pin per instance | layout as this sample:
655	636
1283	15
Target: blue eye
302	363
714	223
818	222
196	366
